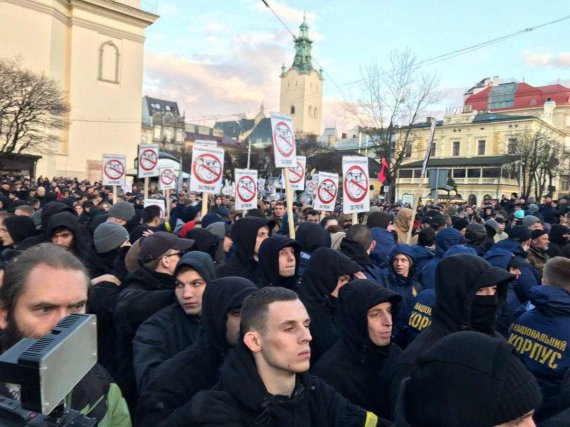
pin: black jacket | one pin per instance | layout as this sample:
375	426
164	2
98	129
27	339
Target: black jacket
358	254
458	278
145	293
242	263
195	368
241	399
356	367
162	336
269	261
319	280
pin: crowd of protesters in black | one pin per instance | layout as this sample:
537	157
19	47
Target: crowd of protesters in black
226	318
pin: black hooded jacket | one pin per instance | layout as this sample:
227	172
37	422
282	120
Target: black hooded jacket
241	399
319	280
196	368
311	236
269	261
458	278
145	292
356	367
242	263
358	254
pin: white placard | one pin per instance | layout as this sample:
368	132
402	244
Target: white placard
148	160
167	179
246	189
283	140
312	184
326	192
355	184
297	174
114	169
156	202
207	169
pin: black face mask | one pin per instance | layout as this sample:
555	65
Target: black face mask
484	313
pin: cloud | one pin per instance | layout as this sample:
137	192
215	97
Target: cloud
547	59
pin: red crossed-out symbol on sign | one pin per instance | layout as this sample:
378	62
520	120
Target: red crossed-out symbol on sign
355	184
297	173
246	189
167	176
283	138
207	168
148	159
114	169
327	190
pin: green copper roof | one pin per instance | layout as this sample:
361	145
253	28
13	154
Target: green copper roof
302	62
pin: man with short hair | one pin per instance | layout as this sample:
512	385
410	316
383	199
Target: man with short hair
24	210
45	284
265	380
312	216
173	328
537	254
541	334
147	290
150	222
357	245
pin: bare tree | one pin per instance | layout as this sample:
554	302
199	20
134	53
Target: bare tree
31	108
541	156
393	100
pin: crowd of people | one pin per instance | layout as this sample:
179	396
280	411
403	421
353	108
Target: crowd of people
454	315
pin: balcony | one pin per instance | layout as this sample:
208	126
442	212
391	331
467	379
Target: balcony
465	181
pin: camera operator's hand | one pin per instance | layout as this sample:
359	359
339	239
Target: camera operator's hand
106	278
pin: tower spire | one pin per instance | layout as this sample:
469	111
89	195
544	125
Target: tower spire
303	45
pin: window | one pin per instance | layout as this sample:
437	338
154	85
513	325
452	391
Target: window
433	151
292	109
456	148
157	132
459	173
491	172
109	57
512	146
408	150
565	183
406	173
417	173
481	147
310	111
315	112
474	173
568	120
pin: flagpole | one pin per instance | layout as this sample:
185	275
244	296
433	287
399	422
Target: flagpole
420	183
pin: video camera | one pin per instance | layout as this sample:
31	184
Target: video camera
46	370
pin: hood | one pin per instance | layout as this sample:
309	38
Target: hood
354	251
459	249
220	296
457	279
60	220
512	246
550	301
204	240
52	208
403	219
499	257
199	261
421	253
269	260
557	233
323	270
355	299
447	238
470	360
20	228
244	235
312	236
384	245
403	249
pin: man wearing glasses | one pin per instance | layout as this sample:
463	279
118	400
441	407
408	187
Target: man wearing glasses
147	290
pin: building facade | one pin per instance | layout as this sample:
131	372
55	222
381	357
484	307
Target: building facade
94	50
478	150
302	88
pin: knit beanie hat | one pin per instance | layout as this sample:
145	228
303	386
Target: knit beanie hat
532	208
519	234
122	210
109	236
19	228
529	220
535	234
378	219
519	214
460	223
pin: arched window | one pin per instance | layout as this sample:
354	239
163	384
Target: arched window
292	109
109	60
310	111
315	112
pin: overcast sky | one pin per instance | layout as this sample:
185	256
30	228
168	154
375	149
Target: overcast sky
224	57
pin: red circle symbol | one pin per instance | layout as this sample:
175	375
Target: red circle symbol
167	176
114	169
148	159
283	137
297	173
327	190
246	189
355	184
207	168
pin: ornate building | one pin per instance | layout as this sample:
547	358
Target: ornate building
302	88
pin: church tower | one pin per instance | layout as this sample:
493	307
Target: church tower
302	87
